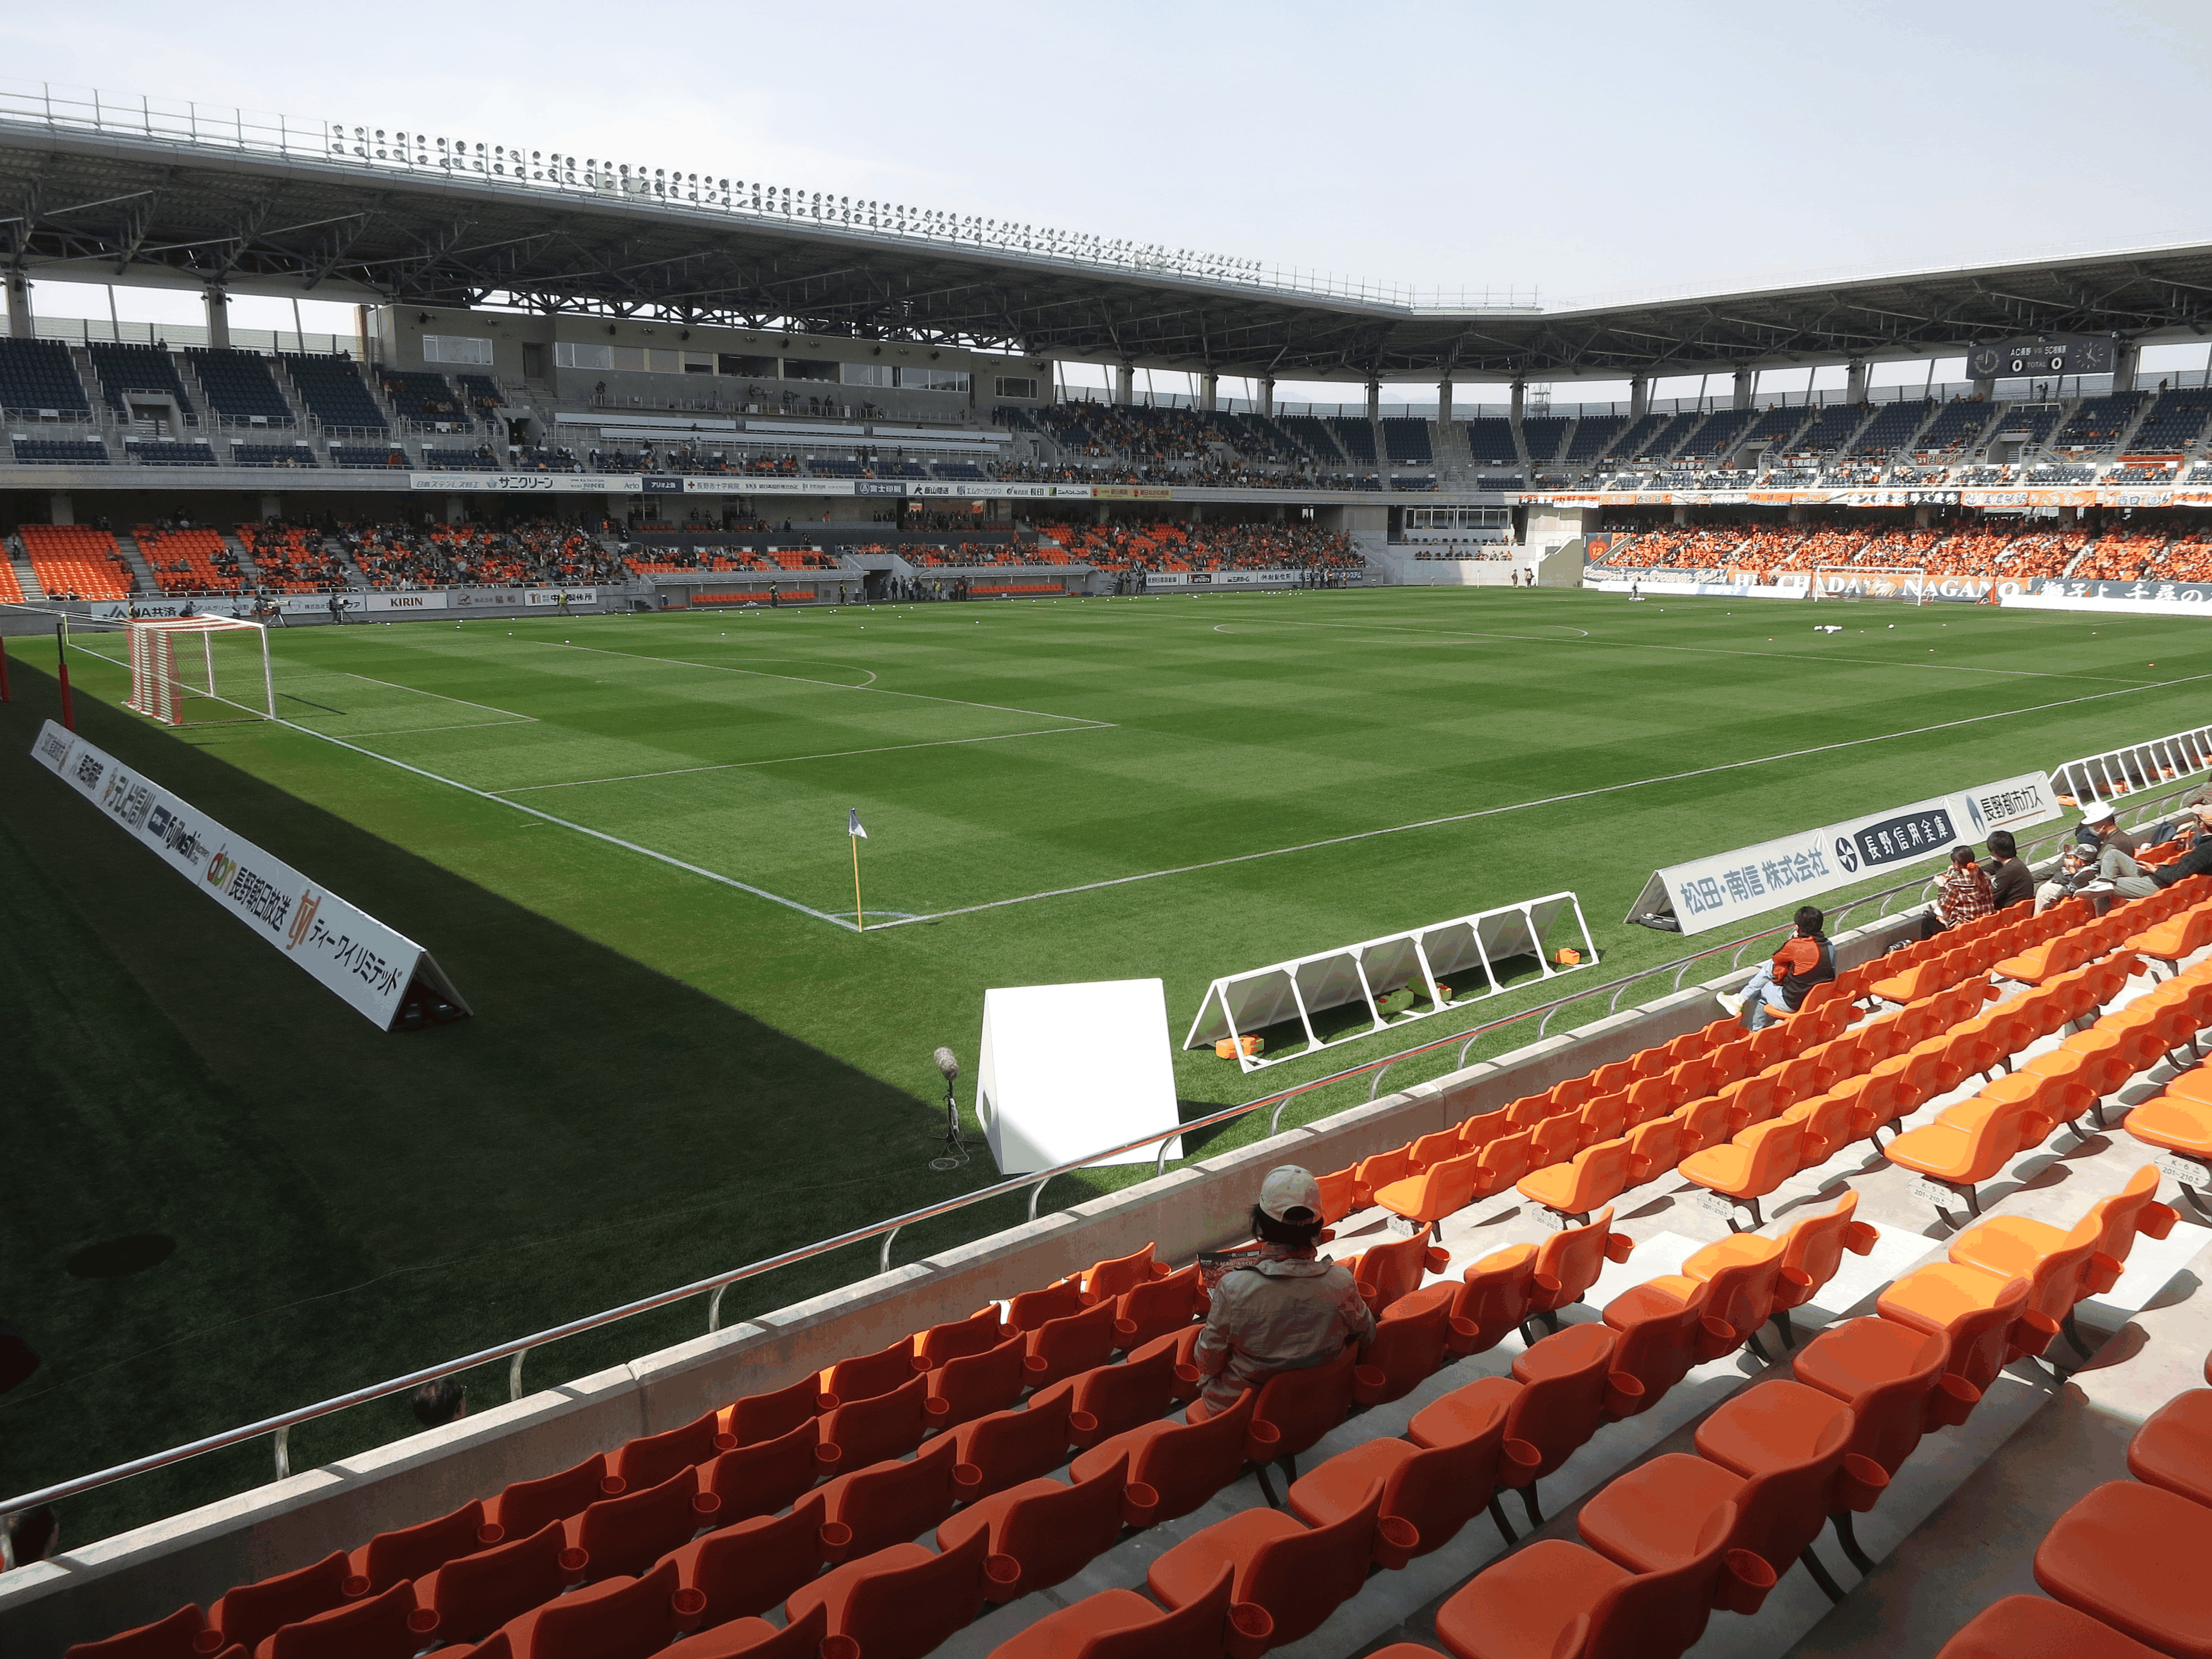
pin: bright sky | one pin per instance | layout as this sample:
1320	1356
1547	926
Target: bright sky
1601	150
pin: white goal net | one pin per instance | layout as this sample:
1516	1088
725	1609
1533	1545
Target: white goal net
1902	584
196	671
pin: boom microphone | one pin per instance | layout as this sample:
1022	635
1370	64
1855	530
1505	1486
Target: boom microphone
948	1063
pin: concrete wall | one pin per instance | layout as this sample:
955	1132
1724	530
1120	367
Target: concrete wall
398	332
139	1576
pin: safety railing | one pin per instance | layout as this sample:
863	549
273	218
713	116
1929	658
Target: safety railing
279	1428
385	151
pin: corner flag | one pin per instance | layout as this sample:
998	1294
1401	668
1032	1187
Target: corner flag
858	835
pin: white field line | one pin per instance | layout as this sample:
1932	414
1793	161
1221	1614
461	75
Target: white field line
581	828
782	760
420	692
1722	651
802	679
1240	858
1547	801
465	726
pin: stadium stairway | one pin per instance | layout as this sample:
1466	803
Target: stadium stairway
143	579
26	578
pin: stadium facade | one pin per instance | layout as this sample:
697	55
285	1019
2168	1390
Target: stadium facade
657	351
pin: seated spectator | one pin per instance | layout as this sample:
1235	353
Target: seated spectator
2195	861
2101	854
1962	892
1288	1309
2011	880
2077	868
1807	959
439	1403
2100	832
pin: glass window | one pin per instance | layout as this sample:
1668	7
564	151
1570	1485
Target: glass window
809	369
1017	385
573	354
933	380
868	375
750	369
455	349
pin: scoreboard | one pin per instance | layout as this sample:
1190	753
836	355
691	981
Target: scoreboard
2046	354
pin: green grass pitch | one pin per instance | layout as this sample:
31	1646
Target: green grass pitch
624	838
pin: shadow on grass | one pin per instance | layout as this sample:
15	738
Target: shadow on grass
349	1205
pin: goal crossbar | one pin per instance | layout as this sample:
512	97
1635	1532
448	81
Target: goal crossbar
177	669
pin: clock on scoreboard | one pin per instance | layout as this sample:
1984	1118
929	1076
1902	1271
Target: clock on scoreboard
2048	353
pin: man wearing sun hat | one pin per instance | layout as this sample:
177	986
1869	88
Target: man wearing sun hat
1286	1307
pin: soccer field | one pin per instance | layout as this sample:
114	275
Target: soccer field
624	838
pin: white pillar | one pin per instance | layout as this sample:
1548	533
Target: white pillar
60	509
1125	383
1443	403
1209	390
19	305
218	317
1855	381
1639	396
2127	357
1375	400
272	507
1266	394
1520	398
1745	379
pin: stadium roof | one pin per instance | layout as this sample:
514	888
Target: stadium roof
302	216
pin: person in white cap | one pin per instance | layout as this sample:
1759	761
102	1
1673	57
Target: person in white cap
1289	1309
2098	857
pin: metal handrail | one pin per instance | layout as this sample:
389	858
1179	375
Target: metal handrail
281	1425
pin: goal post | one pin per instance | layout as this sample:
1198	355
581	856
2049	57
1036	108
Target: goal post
200	671
1900	584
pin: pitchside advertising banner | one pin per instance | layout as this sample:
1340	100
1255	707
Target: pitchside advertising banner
528	484
2182	593
1728	887
356	605
745	484
1237	578
351	953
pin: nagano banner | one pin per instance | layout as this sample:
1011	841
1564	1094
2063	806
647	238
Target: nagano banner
1712	892
351	953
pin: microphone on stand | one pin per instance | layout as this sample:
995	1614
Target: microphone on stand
948	1064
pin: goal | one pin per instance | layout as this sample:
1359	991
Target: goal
1900	584
199	670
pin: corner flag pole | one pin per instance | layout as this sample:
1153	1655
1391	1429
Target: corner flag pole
856	834
61	651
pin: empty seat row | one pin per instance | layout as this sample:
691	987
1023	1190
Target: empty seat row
1971	1141
1713	1124
1439	1173
851	1424
2124	1564
1685	1534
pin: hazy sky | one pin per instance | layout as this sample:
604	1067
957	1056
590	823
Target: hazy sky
1586	151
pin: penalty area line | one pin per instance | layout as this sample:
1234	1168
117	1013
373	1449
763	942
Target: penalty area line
787	760
802	679
1547	801
585	830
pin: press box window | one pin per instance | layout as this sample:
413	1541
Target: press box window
1017	385
455	349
